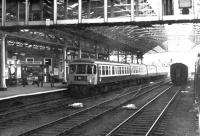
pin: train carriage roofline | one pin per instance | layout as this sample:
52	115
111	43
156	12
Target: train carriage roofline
89	61
77	61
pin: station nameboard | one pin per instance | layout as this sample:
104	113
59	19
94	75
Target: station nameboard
185	3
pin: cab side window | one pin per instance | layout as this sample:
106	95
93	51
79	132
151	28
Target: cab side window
103	70
100	70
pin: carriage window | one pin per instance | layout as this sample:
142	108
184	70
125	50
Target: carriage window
134	69
109	70
117	70
81	69
106	70
103	70
94	69
100	70
113	70
89	69
72	68
122	70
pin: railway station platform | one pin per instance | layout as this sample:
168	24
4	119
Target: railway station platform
19	90
30	94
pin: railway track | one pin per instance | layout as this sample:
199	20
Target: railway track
39	107
143	122
54	105
67	124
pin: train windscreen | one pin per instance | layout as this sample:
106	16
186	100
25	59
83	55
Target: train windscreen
82	69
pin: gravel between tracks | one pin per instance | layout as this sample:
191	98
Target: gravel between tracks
104	124
182	122
33	121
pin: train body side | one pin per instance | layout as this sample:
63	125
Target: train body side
101	72
179	73
87	77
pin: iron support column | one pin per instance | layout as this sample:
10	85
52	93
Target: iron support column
3	21
132	58
125	57
96	53
79	11
41	8
55	11
45	74
176	9
16	70
89	8
18	10
137	59
132	10
80	51
108	55
65	9
117	56
137	7
65	64
27	12
112	8
105	10
195	9
160	6
3	64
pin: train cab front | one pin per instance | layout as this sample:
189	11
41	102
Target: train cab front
82	77
82	74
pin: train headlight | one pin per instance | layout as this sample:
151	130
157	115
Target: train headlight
90	80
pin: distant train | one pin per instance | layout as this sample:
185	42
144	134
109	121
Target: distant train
179	73
197	79
90	76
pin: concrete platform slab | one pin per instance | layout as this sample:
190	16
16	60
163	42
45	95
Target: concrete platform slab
19	90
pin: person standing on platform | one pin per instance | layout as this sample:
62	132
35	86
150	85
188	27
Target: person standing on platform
35	79
24	79
51	78
40	79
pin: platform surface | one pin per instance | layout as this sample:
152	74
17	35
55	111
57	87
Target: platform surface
19	90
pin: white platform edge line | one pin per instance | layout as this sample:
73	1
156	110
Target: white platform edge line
31	94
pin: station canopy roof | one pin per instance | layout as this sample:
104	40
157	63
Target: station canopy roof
130	38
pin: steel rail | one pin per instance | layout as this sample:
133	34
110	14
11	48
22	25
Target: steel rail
138	111
97	116
6	119
161	114
84	110
25	107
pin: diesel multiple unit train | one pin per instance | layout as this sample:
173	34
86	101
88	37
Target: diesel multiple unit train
179	73
87	76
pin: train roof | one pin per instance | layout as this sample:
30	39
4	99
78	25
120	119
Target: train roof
178	64
98	62
105	62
